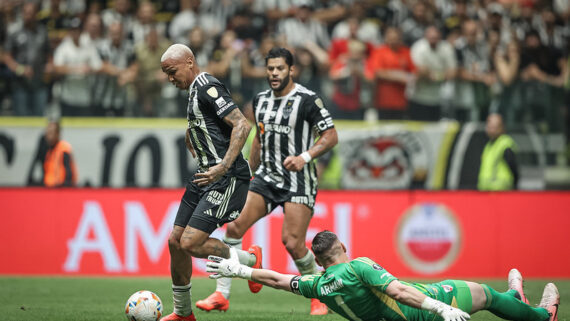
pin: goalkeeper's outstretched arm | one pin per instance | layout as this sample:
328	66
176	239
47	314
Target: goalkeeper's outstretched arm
220	267
273	279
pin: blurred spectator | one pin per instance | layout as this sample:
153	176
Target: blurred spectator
552	34
120	12
456	17
391	68
201	45
543	69
224	62
329	12
475	75
93	34
112	91
339	45
76	64
184	21
357	26
562	8
214	15
247	25
59	166
151	79
347	74
26	54
145	21
436	65
56	21
413	27
526	20
509	102
497	19
498	171
302	28
253	68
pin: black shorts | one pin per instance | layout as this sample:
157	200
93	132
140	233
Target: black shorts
209	207
275	196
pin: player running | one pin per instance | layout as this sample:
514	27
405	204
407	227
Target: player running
288	117
216	133
362	290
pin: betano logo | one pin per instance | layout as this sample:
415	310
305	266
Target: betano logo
428	238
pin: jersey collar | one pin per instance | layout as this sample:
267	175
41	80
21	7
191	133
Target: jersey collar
292	92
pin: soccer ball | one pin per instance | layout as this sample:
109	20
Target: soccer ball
143	306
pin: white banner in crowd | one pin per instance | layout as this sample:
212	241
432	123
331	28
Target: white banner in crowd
384	156
116	157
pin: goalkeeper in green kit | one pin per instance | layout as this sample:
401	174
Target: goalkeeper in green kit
360	289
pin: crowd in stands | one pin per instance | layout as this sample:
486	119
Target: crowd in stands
375	59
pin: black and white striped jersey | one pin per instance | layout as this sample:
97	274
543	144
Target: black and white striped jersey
208	103
287	126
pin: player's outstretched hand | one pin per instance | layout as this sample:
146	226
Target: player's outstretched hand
220	267
294	163
213	174
450	313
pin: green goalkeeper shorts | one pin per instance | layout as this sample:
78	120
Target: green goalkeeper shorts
453	292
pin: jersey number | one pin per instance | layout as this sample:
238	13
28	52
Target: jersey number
340	302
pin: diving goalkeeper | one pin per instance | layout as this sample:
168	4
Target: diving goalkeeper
362	290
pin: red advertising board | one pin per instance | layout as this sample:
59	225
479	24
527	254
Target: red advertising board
410	233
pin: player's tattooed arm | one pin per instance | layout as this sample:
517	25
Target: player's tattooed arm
326	142
240	131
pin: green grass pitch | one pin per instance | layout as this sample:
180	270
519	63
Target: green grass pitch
100	299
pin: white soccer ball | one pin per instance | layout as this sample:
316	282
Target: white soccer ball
143	306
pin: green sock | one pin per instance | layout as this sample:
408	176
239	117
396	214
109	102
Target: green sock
505	305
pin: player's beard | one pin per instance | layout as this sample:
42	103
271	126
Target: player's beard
283	84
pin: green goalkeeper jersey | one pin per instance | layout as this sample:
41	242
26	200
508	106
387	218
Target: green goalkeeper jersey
356	291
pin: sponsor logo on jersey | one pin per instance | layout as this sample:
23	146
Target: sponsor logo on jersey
288	109
377	267
194	123
319	103
234	215
429	238
331	287
222	104
277	128
447	288
212	92
215	197
261	127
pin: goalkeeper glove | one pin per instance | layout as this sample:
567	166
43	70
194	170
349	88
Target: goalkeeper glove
220	267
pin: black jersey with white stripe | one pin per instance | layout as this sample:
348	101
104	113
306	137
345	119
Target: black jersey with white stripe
208	103
287	127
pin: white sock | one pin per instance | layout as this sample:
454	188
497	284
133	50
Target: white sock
244	257
182	299
307	264
224	285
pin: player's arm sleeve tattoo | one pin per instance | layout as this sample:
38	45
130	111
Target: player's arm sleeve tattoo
240	131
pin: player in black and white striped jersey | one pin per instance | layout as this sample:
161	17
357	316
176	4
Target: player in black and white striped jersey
217	131
288	119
